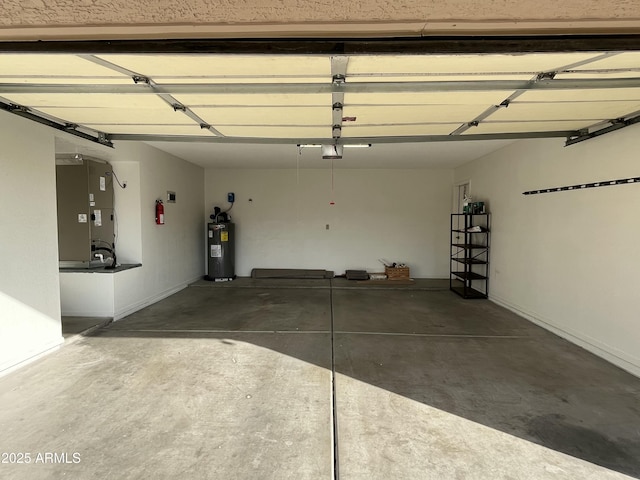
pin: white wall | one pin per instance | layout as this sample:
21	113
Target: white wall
568	260
87	294
171	255
400	215
29	296
127	204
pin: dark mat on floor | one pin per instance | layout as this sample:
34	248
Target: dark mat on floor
290	273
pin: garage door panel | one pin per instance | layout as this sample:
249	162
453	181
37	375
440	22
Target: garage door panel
221	65
275	100
599	75
86	100
584	95
564	111
114	115
523	127
622	60
397	130
464	77
244	80
152	129
283	115
529	63
265	116
54	65
427	98
414	114
66	80
297	132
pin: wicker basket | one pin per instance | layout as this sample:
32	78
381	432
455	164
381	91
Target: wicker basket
397	273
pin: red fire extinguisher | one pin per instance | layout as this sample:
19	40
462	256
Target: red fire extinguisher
159	212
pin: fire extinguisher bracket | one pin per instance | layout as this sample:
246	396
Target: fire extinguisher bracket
159	212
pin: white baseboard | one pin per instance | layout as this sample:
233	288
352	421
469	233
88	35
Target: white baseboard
33	355
87	313
617	357
134	307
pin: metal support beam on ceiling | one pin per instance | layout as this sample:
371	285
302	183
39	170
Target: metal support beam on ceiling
338	79
615	124
70	128
360	87
476	121
542	76
153	87
343	140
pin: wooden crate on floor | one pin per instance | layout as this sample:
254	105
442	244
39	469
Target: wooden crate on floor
397	273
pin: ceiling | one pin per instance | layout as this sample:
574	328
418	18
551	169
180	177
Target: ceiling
401	155
229	110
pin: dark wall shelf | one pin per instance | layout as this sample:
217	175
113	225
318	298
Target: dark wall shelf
469	255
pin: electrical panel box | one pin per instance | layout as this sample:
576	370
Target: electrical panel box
85	211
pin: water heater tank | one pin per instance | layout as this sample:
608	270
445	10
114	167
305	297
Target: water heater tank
220	251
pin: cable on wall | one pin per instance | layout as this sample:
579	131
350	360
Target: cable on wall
583	186
122	185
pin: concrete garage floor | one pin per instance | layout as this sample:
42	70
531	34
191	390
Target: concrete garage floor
72	326
253	379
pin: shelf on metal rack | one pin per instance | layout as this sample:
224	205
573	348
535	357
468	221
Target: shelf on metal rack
469	254
469	246
468	292
469	275
469	261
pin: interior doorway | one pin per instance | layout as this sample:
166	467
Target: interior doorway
460	190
